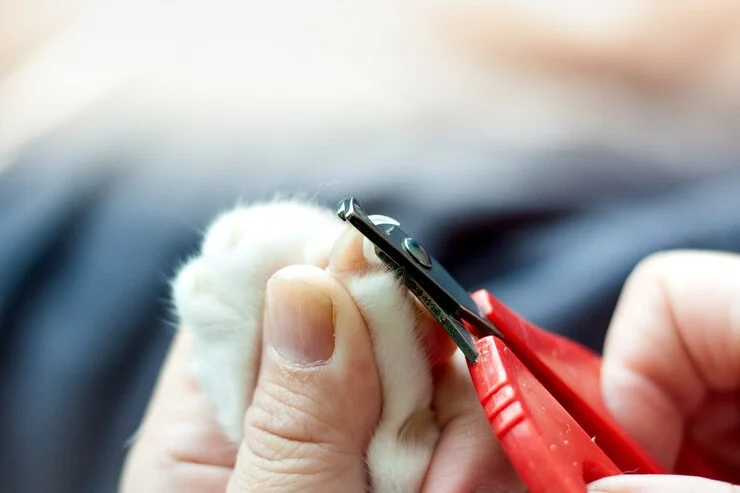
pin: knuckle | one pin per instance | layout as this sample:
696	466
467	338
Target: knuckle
286	432
658	270
263	478
655	264
662	263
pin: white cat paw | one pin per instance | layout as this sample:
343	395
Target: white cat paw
219	296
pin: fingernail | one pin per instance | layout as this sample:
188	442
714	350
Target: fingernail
300	321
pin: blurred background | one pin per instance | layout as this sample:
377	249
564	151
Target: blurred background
539	148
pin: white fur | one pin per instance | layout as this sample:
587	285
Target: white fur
219	295
396	465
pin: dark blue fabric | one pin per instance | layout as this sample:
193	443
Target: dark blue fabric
89	238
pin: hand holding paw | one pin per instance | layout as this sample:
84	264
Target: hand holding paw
342	384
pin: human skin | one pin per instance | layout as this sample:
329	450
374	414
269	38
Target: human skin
306	429
672	365
661	376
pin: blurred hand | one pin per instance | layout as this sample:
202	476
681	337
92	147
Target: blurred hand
672	365
659	46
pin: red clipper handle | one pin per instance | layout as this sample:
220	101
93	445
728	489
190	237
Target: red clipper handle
526	415
548	449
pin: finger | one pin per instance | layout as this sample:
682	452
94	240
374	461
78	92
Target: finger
317	399
353	255
634	483
468	456
179	446
674	337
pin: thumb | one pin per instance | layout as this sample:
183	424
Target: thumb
635	483
317	399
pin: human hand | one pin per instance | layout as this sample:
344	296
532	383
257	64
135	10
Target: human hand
672	366
316	404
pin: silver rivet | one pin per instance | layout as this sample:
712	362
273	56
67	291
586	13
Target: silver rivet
418	252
